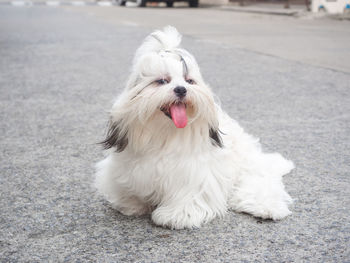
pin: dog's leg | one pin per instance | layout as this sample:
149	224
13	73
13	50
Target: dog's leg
259	190
131	206
181	215
108	184
191	209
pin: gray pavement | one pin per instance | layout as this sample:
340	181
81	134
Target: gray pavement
59	72
312	40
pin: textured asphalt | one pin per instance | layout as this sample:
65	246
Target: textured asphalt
59	73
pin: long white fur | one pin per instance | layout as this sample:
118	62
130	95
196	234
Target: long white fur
179	175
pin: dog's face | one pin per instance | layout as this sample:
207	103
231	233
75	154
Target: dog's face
165	93
170	83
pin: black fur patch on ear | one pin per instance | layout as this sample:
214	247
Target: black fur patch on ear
216	139
114	138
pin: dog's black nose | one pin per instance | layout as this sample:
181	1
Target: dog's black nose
180	91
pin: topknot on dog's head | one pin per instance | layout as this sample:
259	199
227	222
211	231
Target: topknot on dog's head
159	45
166	39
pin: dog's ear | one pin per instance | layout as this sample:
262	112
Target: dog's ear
115	137
216	139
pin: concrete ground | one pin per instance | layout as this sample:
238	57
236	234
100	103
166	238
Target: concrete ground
284	79
319	42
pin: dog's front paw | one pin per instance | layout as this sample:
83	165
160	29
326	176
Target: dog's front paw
132	207
178	218
134	211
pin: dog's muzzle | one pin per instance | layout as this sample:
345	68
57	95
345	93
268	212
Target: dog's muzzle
180	91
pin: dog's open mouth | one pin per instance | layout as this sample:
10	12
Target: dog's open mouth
177	113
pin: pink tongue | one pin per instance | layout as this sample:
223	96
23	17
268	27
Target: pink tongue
178	115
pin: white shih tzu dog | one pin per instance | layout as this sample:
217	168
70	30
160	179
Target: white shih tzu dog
174	153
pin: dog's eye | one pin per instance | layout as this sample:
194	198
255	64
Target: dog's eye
190	81
162	81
